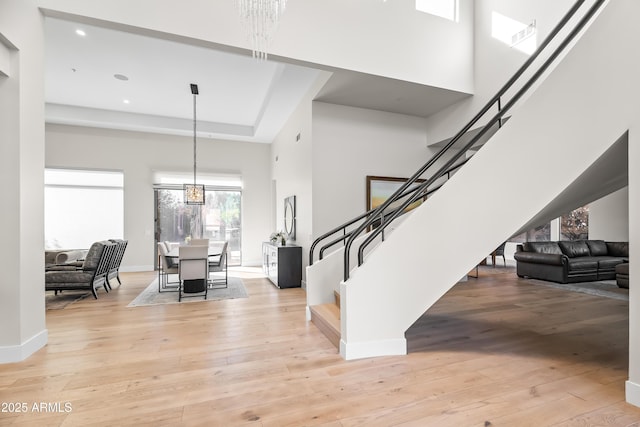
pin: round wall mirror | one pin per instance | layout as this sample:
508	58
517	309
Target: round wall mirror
290	217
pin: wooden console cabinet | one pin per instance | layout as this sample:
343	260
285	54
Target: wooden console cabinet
282	264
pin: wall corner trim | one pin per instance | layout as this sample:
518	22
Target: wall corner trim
633	393
18	353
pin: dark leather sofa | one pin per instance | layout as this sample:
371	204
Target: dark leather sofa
570	261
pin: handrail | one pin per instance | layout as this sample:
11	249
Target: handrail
344	226
496	119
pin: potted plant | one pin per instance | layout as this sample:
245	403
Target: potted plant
278	237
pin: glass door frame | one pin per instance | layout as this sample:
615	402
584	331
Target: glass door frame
208	190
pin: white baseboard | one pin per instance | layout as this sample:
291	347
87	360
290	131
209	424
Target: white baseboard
360	350
633	393
18	353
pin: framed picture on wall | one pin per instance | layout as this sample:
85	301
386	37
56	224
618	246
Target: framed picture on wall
380	188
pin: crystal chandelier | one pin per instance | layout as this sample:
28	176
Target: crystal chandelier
260	18
194	193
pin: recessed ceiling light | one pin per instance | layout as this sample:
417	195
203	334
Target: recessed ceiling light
126	101
121	77
80	32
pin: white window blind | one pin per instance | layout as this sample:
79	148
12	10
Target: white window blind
82	206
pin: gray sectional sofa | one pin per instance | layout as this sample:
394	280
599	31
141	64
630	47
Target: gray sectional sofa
571	261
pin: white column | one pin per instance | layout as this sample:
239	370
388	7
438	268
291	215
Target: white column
633	384
22	311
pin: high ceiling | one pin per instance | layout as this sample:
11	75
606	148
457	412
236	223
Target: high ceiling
123	80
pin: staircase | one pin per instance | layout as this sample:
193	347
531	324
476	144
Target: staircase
574	124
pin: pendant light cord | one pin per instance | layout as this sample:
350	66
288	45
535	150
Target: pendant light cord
194	139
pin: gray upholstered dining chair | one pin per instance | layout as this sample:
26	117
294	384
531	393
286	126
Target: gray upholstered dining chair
218	264
193	271
166	266
199	242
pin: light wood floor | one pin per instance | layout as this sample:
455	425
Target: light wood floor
494	351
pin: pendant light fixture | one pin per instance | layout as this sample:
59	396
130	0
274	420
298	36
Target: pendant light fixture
194	193
260	19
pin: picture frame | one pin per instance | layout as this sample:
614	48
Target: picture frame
380	188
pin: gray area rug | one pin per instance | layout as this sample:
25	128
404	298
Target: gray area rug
151	296
63	299
601	288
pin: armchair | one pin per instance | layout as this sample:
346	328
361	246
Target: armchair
91	276
116	260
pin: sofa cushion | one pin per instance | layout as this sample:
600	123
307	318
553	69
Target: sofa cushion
542	247
597	247
93	256
608	262
618	249
539	258
574	248
583	263
61	277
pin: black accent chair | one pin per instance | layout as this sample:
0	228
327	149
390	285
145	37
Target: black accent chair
91	276
499	252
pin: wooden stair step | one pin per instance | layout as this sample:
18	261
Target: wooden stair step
326	317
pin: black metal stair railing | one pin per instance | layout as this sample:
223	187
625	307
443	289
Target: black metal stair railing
419	185
381	218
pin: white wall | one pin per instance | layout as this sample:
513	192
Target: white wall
22	317
352	35
351	143
494	61
291	170
609	217
140	154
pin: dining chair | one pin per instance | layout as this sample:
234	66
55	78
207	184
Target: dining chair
199	242
499	252
193	270
166	266
218	264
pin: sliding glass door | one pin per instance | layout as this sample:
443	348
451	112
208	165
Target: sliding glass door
218	219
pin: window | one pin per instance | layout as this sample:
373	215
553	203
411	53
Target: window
541	233
514	33
572	226
81	207
218	219
447	9
575	224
